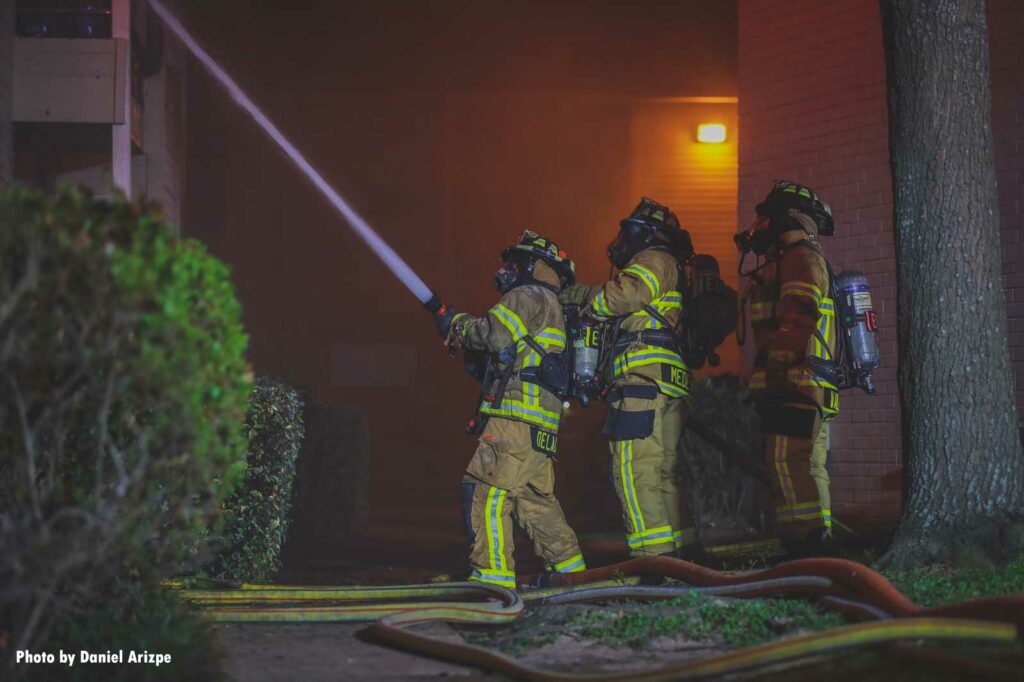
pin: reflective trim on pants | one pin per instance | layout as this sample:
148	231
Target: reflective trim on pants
684	537
495	531
573	564
503	578
636	518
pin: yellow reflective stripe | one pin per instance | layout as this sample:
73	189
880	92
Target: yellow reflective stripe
573	564
651	536
684	537
799	376
636	518
671	390
762	311
510	320
550	337
600	305
527	412
781	463
495	528
503	578
797	507
645	356
802	289
799	517
645	276
826	516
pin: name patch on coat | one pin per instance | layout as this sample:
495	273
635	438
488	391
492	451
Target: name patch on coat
677	376
543	442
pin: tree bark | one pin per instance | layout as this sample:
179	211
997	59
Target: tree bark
964	464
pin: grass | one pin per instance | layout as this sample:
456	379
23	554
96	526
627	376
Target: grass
933	586
738	623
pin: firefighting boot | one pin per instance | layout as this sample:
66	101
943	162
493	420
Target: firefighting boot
817	543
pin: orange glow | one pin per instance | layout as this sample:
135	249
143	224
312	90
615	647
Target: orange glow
711	132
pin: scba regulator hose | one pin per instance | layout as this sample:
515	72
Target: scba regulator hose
842	585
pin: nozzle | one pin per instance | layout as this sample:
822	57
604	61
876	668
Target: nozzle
435	305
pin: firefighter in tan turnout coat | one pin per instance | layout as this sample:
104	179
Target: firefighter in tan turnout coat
793	320
511	475
650	383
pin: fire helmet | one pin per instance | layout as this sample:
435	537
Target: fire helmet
650	224
519	260
773	216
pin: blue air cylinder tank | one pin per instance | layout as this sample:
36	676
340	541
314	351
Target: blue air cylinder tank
858	324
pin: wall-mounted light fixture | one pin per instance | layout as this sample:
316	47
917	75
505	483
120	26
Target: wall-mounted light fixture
711	132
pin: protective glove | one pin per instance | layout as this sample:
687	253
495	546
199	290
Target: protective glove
453	339
574	294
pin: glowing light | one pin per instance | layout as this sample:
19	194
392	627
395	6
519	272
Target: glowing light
392	260
711	132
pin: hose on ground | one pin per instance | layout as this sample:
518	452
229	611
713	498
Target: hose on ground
842	585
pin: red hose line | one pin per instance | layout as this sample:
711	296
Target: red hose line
855	581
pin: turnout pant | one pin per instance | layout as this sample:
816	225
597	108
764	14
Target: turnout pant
645	426
509	479
795	450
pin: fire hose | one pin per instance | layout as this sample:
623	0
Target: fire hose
842	585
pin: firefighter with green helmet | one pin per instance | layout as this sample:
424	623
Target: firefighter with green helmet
650	383
511	475
793	321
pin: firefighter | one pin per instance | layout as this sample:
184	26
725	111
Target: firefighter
793	323
649	397
511	475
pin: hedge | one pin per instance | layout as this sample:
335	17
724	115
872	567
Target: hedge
124	388
257	513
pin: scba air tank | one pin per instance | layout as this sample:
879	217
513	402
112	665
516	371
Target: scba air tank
859	323
587	347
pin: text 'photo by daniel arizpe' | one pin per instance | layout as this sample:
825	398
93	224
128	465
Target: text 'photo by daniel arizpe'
71	658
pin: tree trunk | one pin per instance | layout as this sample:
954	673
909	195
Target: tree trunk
964	464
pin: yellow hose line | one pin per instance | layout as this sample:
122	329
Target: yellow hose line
395	608
390	630
486	603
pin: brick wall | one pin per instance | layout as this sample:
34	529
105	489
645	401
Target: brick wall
6	70
813	109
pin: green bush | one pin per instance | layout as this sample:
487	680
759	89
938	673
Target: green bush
135	616
123	392
257	512
719	494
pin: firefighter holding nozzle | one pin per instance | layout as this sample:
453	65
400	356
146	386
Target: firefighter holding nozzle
793	321
511	475
649	396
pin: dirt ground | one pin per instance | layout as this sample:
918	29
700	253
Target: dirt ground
318	652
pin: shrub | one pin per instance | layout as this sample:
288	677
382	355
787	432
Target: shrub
257	512
123	391
134	616
720	495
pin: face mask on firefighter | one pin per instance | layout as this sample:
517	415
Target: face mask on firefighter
758	238
631	239
515	270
